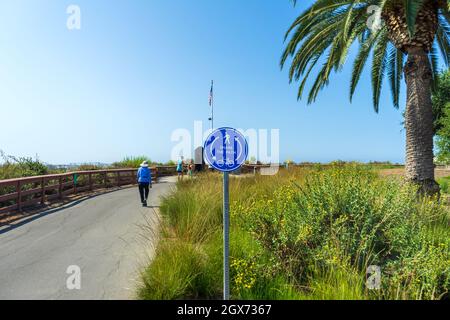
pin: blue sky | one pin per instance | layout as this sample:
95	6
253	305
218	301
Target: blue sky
138	70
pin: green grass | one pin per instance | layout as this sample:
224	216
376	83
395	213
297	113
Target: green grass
302	234
445	184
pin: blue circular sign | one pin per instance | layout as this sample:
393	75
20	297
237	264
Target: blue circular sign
226	149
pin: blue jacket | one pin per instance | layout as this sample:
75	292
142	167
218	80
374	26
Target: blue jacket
144	175
180	166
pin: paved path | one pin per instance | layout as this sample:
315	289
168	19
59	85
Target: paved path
107	236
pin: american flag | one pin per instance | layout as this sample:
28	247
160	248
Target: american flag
211	94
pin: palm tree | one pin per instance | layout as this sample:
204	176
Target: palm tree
405	43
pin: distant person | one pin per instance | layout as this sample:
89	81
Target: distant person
144	176
180	168
190	169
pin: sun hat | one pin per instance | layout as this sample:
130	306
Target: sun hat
144	164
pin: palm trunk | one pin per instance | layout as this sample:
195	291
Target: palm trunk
419	122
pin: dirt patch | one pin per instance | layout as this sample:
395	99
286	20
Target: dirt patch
439	173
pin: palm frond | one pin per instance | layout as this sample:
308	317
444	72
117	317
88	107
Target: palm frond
316	9
378	67
443	40
394	67
316	42
445	12
325	32
434	63
412	8
305	78
356	28
360	62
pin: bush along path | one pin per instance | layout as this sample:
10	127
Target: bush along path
303	234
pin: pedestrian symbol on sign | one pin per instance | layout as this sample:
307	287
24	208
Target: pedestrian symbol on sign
226	149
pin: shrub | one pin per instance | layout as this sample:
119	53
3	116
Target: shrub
131	162
445	184
347	218
302	234
17	167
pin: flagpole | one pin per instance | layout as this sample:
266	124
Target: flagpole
212	105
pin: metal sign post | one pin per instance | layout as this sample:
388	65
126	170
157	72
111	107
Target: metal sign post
226	150
226	237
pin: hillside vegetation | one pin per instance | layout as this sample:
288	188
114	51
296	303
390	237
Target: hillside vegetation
13	167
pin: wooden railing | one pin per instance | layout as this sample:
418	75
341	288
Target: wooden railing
164	171
17	194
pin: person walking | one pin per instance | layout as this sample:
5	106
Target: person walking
190	168
180	168
144	177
